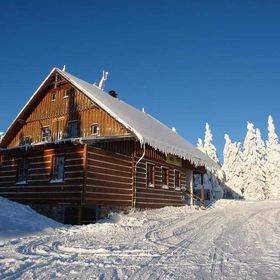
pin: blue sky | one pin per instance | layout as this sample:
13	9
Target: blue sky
185	62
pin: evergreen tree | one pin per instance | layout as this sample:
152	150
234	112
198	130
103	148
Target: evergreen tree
273	162
233	167
209	147
212	178
254	180
261	160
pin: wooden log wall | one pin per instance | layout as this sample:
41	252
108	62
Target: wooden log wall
56	114
118	147
109	178
158	196
38	188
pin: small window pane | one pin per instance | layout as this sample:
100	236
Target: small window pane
46	134
68	92
150	175
177	179
164	176
22	171
94	129
58	168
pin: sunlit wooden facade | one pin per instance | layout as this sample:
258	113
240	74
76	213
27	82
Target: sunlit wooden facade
66	154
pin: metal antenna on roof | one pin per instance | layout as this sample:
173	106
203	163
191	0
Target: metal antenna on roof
104	77
64	67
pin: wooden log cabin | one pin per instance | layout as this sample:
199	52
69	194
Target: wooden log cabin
75	152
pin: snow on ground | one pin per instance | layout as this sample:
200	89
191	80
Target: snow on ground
18	220
230	240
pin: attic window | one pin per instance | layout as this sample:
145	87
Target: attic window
53	97
94	129
46	134
68	92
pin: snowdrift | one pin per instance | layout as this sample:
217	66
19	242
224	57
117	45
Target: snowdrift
19	220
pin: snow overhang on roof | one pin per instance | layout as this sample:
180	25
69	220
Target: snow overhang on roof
147	129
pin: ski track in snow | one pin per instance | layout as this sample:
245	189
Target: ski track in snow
238	240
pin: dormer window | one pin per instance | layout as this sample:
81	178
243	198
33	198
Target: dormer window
94	129
53	97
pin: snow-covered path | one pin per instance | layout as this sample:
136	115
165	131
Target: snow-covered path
234	240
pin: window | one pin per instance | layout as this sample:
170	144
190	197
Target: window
73	129
57	169
22	171
26	140
177	179
164	176
68	92
53	97
46	134
150	175
94	129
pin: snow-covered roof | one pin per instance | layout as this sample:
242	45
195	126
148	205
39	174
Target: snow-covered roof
146	128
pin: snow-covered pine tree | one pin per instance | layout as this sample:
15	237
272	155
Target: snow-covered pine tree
209	147
273	161
233	166
253	179
261	176
212	179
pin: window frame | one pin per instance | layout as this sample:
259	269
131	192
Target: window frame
26	140
25	171
68	92
179	179
49	135
150	184
165	186
53	96
97	129
55	170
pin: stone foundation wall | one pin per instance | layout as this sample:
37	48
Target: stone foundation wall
55	212
58	212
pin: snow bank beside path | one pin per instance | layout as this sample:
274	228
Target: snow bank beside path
18	220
